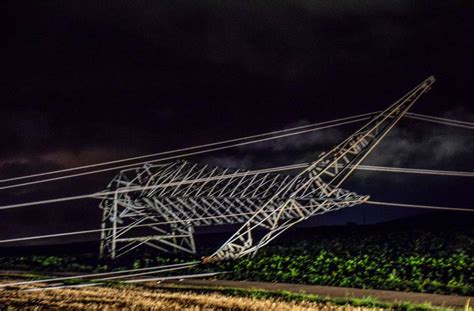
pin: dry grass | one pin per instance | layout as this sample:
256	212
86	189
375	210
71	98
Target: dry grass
138	298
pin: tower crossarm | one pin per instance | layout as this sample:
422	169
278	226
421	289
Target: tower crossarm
327	172
333	167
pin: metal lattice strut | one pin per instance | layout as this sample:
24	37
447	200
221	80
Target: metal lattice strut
187	195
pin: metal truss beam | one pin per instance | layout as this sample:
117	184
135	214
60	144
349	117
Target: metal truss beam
189	195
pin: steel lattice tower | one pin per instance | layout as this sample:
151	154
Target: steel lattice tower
178	196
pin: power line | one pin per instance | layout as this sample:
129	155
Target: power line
463	124
443	208
176	277
100	195
148	273
36	289
83	276
415	171
466	125
50	201
186	149
178	156
440	119
56	235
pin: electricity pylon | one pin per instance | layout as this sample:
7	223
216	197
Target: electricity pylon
178	196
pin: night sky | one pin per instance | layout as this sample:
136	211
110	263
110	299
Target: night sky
89	81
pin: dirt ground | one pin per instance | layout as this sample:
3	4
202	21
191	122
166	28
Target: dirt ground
158	297
139	298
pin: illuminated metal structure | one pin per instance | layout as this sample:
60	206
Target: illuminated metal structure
178	196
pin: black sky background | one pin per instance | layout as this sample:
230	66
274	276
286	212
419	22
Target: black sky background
88	81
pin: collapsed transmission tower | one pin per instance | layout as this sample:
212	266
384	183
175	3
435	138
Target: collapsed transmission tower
175	197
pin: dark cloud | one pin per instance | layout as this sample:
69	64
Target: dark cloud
281	151
427	145
412	144
29	163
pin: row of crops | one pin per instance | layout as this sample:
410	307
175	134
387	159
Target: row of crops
422	261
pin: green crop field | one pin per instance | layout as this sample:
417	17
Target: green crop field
432	260
397	261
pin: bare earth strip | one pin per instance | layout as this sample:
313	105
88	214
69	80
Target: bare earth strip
140	298
334	292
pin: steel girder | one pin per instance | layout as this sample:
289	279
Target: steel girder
328	172
176	197
169	200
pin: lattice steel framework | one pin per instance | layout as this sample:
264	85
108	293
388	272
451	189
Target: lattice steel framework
173	198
